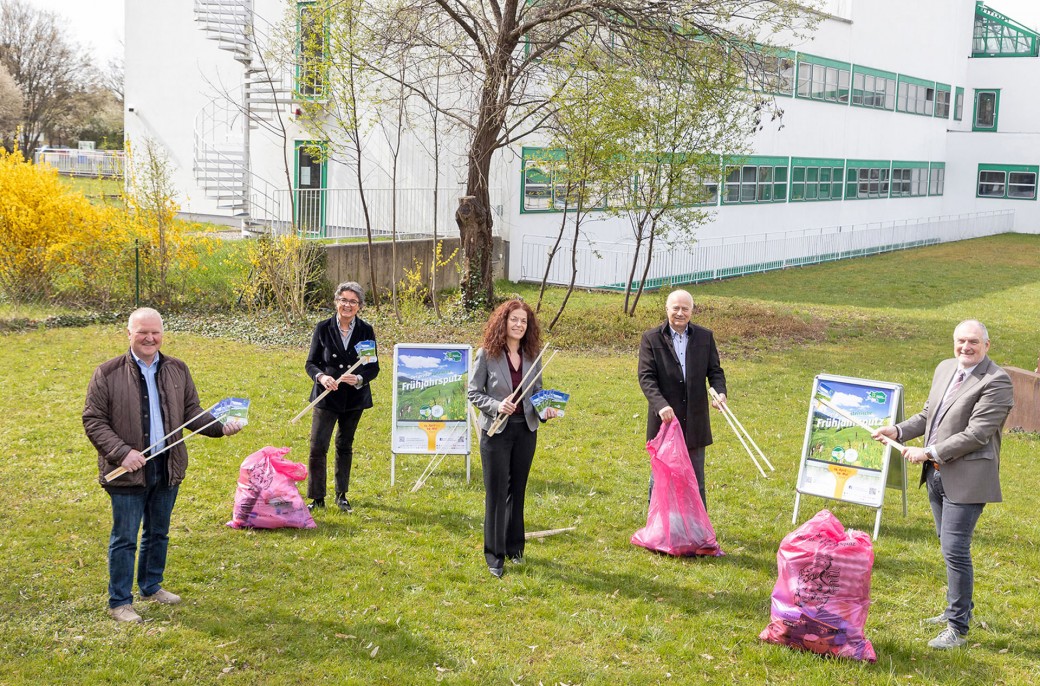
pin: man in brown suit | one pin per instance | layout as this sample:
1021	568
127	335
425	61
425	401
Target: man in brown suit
961	423
132	401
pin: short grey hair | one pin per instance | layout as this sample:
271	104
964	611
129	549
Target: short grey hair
976	323
354	287
142	312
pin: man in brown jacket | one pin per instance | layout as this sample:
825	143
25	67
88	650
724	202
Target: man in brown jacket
132	401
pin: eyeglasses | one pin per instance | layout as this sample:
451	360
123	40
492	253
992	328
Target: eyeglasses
348	303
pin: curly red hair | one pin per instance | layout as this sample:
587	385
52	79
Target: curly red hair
494	342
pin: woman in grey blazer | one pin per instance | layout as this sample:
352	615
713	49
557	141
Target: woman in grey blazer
512	340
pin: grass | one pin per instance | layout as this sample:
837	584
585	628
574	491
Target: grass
398	592
98	190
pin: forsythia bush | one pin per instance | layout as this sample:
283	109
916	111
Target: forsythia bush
54	242
287	272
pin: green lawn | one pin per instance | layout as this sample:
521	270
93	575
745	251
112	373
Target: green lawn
398	592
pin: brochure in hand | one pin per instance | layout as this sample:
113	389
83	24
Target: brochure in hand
232	408
547	398
366	351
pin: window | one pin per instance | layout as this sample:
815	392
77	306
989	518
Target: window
958	105
942	101
937	178
871	88
771	73
816	179
997	35
823	79
916	96
311	48
758	180
987	104
909	179
866	179
1014	182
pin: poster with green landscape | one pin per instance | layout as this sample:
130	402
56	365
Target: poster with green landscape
840	459
430	406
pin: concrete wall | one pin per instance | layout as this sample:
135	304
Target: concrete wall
349	262
1025	415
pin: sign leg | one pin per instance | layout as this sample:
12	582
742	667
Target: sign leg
393	457
797	500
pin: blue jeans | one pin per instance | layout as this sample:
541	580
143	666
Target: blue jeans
955	526
153	506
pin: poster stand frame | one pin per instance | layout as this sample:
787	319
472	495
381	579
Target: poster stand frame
894	472
466	350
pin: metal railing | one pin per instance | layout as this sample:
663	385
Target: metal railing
338	213
100	163
607	265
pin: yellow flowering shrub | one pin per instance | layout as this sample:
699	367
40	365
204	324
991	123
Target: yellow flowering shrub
53	241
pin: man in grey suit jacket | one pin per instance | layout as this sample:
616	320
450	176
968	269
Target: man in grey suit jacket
677	362
961	423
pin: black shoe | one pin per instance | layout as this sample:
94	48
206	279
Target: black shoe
496	572
317	504
343	503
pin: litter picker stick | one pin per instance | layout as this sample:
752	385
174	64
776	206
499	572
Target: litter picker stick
729	413
179	428
327	391
845	415
548	532
431	468
502	417
743	443
120	471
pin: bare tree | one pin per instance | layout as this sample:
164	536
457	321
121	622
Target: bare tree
48	68
503	51
11	104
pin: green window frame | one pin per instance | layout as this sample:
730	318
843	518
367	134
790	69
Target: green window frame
312	46
909	179
958	104
873	88
772	71
1007	181
986	110
823	79
867	179
942	100
915	96
754	180
997	35
816	179
936	178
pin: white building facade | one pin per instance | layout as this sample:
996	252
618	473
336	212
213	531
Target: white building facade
903	124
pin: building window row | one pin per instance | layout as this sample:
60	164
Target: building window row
810	77
763	180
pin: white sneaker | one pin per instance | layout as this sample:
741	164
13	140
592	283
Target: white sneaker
124	613
948	638
163	596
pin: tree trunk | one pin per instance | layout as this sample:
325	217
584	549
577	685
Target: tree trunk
475	233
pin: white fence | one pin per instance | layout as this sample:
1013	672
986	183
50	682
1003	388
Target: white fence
607	265
339	213
101	163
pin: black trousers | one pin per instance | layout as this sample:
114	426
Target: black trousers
322	424
506	460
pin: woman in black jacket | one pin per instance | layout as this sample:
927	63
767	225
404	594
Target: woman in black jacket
332	354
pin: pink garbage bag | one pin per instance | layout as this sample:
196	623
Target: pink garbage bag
822	595
677	523
267	497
